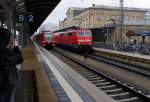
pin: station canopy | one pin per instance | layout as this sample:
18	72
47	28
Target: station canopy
39	8
4	7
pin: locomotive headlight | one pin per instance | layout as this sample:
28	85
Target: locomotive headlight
79	43
43	41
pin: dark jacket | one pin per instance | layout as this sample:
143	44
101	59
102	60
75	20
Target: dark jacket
9	58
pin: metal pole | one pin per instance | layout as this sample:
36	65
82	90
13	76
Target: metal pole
14	23
89	18
22	44
121	20
59	24
63	25
107	32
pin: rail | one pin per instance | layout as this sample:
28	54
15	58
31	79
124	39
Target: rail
111	86
133	60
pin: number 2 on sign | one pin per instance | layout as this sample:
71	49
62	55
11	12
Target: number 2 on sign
31	18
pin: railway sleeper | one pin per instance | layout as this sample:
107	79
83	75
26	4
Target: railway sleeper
123	96
82	71
103	83
114	92
91	76
106	87
109	88
98	81
117	90
95	79
86	72
131	99
120	94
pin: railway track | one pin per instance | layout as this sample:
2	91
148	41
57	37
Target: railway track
114	88
141	62
123	65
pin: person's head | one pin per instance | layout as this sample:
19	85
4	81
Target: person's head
5	36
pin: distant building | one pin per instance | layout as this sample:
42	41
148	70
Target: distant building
147	15
72	17
74	11
100	16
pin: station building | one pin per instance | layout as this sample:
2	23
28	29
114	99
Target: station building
107	17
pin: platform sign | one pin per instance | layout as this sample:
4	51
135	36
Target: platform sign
25	18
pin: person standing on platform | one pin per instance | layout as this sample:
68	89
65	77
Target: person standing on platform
10	56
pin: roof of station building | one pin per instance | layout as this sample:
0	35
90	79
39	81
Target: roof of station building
117	8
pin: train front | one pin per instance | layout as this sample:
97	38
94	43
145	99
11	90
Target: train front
84	39
47	39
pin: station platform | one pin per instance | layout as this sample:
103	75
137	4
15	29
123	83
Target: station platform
135	59
136	55
33	85
45	78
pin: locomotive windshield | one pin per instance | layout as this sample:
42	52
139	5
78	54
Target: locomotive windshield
84	33
48	35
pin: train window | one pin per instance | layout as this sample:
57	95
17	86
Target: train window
48	35
81	34
88	34
85	33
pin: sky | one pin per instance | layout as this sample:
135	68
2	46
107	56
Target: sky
59	13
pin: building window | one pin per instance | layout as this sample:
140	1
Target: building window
135	18
126	18
87	17
98	17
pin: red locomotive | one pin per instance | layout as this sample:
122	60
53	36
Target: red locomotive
79	39
44	38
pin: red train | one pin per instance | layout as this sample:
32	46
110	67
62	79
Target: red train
79	39
44	38
71	39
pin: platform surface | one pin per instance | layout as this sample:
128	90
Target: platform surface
75	86
124	53
26	88
33	80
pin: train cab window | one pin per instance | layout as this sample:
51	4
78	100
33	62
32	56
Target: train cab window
84	33
81	34
48	35
88	34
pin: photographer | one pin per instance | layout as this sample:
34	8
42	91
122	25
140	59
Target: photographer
10	56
